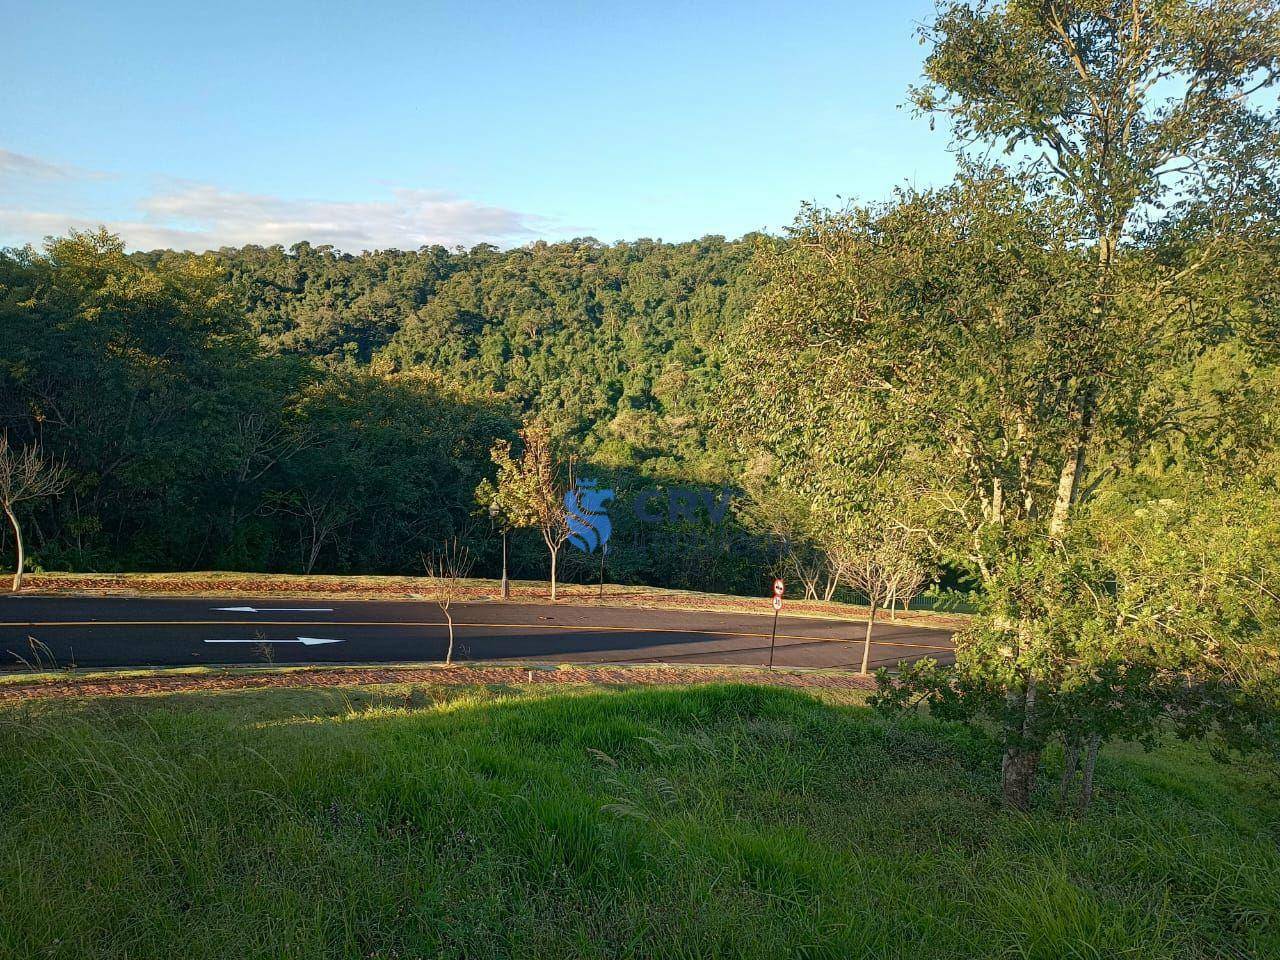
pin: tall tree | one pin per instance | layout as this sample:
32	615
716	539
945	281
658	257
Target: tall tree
947	330
1128	110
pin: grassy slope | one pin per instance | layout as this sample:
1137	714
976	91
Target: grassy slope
717	821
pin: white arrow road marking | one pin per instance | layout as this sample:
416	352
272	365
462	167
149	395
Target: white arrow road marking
305	641
275	609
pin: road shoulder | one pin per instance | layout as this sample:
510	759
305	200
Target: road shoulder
132	683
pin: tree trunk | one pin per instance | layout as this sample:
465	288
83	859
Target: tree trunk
1021	762
233	518
1072	472
1068	481
1069	478
448	656
17	539
1070	763
866	643
1086	783
314	554
554	554
1018	776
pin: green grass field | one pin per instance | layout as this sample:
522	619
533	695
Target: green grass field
707	822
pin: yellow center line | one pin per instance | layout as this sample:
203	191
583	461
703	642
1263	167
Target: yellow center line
456	623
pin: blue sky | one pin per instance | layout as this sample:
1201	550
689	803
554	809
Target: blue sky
373	125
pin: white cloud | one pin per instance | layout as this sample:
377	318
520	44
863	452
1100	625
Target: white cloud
195	216
15	166
409	219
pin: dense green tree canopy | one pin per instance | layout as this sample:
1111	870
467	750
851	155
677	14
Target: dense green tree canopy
1093	324
607	343
312	410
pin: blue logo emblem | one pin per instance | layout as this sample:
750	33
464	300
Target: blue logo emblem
589	525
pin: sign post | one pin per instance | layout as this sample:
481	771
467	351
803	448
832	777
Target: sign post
778	588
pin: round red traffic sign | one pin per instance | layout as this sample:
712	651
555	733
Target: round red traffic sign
778	587
777	603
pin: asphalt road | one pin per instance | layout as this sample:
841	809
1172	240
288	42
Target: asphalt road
127	632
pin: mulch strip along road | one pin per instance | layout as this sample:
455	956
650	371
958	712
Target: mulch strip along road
458	675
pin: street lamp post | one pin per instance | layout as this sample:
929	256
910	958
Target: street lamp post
506	584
